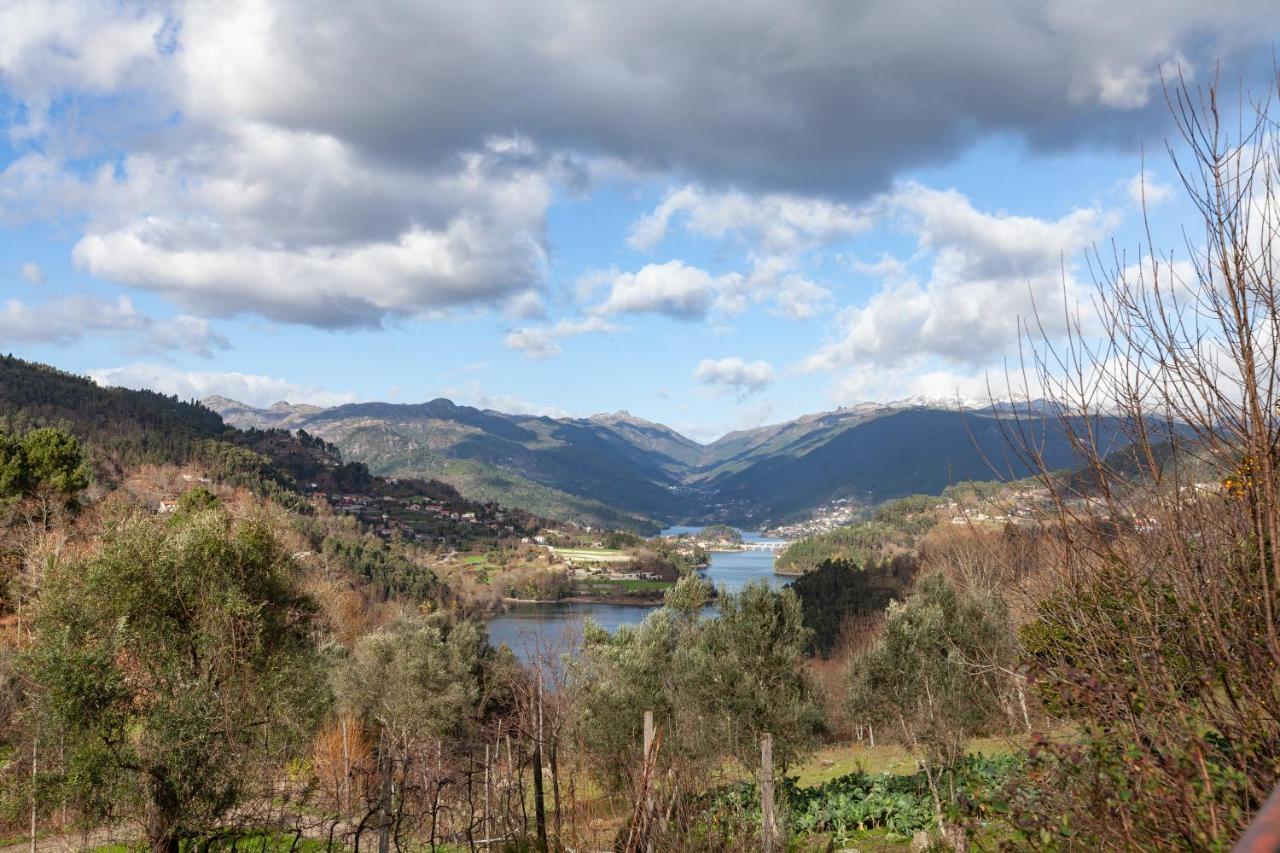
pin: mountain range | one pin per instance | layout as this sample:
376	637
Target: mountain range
619	470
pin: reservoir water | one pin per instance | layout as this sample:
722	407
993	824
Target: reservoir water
523	627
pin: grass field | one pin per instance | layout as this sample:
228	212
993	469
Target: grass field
606	586
592	555
834	761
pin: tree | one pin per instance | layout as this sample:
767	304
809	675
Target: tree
194	501
46	466
920	677
747	671
54	463
839	592
178	666
714	683
423	688
12	468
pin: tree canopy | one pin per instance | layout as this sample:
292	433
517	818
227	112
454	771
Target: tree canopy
714	683
43	462
172	664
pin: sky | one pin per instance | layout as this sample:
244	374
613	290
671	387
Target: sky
713	215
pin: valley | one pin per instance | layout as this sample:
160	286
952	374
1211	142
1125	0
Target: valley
571	427
625	472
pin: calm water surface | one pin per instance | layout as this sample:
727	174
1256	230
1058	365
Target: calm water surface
524	626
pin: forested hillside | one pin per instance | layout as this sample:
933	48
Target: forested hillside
913	451
621	471
123	429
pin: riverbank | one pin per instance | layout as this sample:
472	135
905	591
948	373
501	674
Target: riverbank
621	599
523	623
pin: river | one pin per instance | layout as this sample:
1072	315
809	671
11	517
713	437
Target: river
524	626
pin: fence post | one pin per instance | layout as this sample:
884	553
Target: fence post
539	803
768	825
488	787
648	781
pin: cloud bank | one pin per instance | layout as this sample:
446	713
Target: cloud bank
340	165
254	389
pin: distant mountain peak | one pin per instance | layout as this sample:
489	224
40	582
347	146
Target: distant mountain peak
624	416
281	414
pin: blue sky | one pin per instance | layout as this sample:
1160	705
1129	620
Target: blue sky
713	218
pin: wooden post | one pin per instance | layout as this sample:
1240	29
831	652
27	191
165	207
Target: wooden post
648	781
35	754
553	761
539	804
871	730
386	794
768	826
488	831
344	787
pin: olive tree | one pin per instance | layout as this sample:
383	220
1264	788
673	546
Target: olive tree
422	688
920	676
714	683
178	667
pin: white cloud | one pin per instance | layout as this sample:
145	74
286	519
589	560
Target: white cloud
988	272
525	306
774	222
780	230
299	229
52	47
32	273
734	373
69	318
592	281
801	299
183	332
683	292
922	379
323	286
254	389
543	341
886	267
673	288
1144	188
474	394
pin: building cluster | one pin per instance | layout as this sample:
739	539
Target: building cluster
601	573
420	519
1026	506
837	513
1021	506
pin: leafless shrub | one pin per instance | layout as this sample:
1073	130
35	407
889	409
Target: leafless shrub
1153	624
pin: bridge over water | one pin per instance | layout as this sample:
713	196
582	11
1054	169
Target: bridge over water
767	545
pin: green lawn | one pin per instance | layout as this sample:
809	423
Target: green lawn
835	761
592	555
638	585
